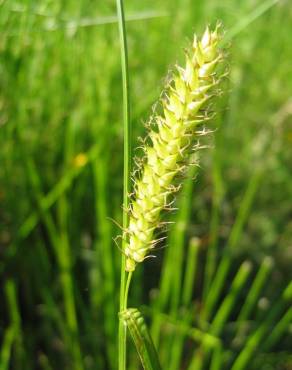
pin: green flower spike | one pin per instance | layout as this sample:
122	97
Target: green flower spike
184	107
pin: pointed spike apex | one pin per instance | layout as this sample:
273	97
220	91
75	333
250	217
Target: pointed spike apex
216	32
206	39
196	105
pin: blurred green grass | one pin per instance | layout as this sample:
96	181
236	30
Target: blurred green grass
61	173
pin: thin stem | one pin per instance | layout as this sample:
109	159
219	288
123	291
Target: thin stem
127	165
129	277
122	328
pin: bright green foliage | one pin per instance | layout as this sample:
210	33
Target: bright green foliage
61	185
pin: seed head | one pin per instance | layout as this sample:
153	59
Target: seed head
184	107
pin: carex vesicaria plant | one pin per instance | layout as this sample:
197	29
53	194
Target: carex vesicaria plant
172	135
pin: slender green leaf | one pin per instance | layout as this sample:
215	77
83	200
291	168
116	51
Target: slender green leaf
135	323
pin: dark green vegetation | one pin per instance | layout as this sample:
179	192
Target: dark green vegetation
221	301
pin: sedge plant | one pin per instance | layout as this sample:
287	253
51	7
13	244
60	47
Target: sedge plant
173	136
59	184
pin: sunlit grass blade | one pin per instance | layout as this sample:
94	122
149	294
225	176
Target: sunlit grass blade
177	241
279	329
255	289
192	260
254	340
237	229
229	301
60	245
212	251
104	250
180	327
189	280
224	310
48	200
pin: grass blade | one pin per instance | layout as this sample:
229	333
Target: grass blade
279	329
229	301
254	340
255	289
6	348
225	263
141	337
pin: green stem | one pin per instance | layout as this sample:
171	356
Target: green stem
127	165
127	287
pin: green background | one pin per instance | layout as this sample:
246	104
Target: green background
61	166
